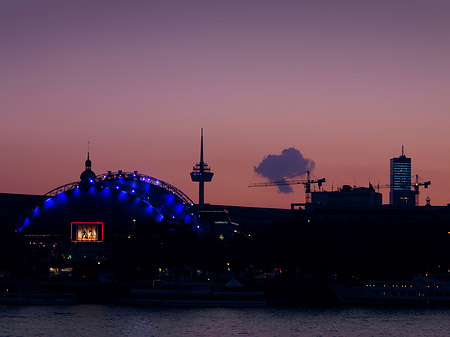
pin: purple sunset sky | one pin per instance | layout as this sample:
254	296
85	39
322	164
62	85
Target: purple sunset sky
344	82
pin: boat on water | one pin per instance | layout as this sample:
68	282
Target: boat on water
196	294
37	298
418	291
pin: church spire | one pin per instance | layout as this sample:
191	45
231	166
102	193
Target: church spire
87	177
88	163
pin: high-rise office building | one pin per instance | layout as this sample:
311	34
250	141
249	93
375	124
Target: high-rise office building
401	193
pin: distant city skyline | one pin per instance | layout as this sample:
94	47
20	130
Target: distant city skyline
345	83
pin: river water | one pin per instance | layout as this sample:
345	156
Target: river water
112	320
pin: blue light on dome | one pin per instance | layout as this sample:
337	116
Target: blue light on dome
61	197
179	208
49	202
170	198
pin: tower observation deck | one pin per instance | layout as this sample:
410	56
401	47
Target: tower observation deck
201	173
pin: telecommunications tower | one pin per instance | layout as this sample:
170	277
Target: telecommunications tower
201	173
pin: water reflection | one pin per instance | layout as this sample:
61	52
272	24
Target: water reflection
103	320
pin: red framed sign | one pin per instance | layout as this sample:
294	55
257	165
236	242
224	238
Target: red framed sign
86	231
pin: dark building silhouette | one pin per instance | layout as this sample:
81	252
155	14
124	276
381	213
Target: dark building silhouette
348	196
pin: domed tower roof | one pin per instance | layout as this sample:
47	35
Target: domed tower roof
87	176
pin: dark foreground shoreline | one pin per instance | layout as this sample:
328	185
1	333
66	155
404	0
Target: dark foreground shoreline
276	293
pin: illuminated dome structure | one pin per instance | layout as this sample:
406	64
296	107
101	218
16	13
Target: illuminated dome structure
118	200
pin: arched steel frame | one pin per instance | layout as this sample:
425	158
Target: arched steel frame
108	178
113	180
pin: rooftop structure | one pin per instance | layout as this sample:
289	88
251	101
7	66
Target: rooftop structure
348	196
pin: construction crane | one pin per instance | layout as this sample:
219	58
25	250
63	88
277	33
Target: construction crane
415	187
289	181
